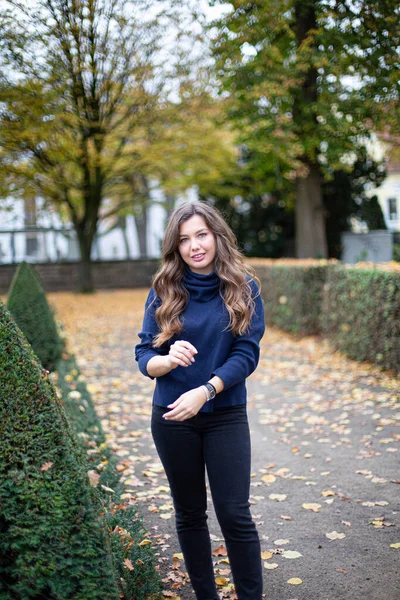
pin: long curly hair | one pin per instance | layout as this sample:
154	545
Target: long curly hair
228	265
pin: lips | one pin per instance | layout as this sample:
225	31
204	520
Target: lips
198	256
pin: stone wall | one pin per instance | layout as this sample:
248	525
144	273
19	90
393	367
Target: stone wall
106	274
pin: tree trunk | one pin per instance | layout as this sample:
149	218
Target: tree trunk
310	218
121	223
141	227
141	200
85	264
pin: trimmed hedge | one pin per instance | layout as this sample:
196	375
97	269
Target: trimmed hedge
357	307
293	296
28	304
53	535
128	536
361	314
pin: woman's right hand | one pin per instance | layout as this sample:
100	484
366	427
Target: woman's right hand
181	354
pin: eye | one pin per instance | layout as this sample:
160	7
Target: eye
202	234
182	240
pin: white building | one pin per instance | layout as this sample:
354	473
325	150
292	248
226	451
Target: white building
34	234
388	193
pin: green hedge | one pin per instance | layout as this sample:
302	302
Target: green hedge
125	524
361	314
53	535
293	296
358	309
28	304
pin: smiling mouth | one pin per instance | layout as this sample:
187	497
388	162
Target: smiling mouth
198	255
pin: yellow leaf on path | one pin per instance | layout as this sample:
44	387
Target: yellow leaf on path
294	581
334	535
165	516
278	497
396	545
178	555
291	554
281	542
312	506
269	478
326	493
144	542
266	554
270	565
128	564
221	580
220	551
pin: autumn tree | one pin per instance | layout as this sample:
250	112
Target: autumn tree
183	144
306	82
77	76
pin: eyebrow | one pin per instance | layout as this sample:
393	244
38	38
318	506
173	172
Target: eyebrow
198	231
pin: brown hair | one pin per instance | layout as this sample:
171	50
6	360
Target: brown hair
228	265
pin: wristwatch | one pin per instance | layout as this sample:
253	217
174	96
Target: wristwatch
212	392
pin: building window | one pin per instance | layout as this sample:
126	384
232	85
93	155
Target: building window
392	209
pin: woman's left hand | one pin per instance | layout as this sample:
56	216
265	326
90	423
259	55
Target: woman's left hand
187	405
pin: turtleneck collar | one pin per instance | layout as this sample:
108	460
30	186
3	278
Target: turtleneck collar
202	288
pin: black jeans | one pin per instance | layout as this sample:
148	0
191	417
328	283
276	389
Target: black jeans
219	441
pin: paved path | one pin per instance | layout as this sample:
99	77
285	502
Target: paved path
325	439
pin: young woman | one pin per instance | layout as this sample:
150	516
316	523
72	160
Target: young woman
202	326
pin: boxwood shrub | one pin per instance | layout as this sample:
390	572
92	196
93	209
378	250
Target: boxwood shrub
28	304
53	534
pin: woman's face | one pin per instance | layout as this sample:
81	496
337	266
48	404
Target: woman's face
197	245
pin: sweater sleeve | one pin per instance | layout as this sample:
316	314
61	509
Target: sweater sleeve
144	351
245	351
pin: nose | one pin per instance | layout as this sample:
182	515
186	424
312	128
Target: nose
195	244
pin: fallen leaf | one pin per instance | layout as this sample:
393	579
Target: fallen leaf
221	580
220	551
396	545
281	542
334	535
46	466
295	581
93	478
128	564
270	565
144	542
286	518
312	506
380	503
291	554
178	555
269	478
266	554
278	497
107	489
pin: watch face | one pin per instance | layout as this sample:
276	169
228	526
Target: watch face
211	390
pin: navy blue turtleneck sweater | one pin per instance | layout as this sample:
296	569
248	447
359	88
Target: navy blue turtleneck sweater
219	352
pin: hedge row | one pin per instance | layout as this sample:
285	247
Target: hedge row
53	537
64	533
358	309
28	304
128	535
